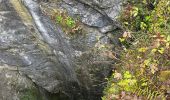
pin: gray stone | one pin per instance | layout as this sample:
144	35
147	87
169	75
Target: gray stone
33	57
37	55
15	86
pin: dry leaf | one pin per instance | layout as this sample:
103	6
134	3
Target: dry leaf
153	68
127	35
117	75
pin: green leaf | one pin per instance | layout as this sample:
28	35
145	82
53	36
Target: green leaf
59	19
161	50
168	38
144	84
127	75
135	11
143	49
147	18
121	39
143	25
147	62
153	50
70	22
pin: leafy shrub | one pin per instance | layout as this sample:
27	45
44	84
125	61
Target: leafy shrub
145	58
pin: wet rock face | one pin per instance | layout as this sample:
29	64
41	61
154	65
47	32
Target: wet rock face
22	48
36	53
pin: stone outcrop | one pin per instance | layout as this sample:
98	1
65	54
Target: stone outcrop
37	59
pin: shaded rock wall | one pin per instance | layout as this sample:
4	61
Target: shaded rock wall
101	29
38	59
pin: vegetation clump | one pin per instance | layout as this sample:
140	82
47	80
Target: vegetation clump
69	24
143	69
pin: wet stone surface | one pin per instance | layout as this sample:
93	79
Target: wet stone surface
44	62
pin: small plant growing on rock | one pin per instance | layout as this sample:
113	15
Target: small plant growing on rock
69	25
60	17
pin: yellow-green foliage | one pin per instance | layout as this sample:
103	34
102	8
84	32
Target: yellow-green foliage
146	54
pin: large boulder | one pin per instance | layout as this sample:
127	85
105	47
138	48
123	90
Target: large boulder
21	47
37	59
